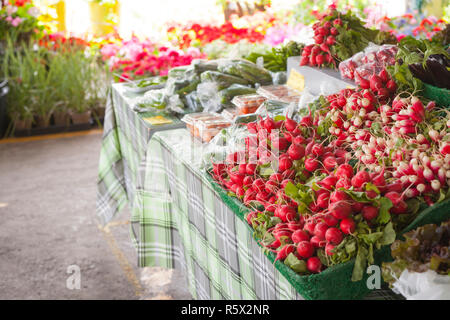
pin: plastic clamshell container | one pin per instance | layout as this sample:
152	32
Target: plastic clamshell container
204	126
248	103
279	92
230	113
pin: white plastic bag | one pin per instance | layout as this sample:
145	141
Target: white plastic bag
423	286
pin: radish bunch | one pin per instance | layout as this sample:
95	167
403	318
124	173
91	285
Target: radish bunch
319	54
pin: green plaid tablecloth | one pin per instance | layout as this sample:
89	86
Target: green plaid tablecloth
125	139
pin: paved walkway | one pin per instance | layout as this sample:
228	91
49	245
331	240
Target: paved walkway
48	229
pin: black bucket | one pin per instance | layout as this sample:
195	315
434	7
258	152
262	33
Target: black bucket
3	118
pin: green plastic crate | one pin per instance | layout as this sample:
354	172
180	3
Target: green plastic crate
334	283
440	95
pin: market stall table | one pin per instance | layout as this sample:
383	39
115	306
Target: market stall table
179	219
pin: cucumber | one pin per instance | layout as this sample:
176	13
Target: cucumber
223	80
226	95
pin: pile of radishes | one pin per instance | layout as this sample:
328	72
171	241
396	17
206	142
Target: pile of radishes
371	61
319	54
336	167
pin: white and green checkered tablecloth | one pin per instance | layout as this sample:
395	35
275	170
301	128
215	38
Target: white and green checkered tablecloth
178	219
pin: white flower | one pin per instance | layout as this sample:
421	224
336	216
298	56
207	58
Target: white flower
34	11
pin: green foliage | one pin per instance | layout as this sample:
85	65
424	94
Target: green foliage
425	248
42	81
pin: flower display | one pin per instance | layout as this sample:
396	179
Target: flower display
137	58
18	17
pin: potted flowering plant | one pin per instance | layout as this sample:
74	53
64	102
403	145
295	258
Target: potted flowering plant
18	20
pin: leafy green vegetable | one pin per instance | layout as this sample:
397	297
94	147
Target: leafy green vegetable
426	248
295	264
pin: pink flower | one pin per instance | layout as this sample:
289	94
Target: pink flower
9	19
109	50
11	9
16	21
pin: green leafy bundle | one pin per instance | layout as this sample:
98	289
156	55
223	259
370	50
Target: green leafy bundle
276	59
426	248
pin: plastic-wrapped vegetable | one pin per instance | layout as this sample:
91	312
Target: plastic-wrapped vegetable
202	65
175	104
181	72
272	108
373	58
192	86
221	79
193	102
226	95
151	101
246	70
208	95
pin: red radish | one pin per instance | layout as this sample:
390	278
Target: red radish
284	164
357	206
330	41
329	249
369	212
329	182
305	249
271	186
314	265
290	124
294	226
317	150
344	170
277	177
318	39
299	236
334	236
299	140
310	226
329	163
360	179
343	183
262	196
330	220
340	209
322	200
320	59
337	22
363	83
237	178
339	195
280	143
311	164
296	151
347	225
269	124
284	252
251	216
242	168
274	245
303	62
375	82
320	229
282	234
384	75
259	184
318	242
250	168
248	181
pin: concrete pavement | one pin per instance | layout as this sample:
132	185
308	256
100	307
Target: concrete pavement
48	228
